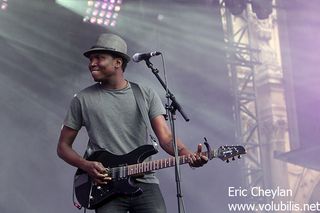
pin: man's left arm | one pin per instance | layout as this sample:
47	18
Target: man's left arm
164	135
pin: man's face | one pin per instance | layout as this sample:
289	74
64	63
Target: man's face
103	66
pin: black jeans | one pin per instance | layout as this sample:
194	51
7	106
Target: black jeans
150	201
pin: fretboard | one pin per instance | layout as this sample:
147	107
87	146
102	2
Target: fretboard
140	168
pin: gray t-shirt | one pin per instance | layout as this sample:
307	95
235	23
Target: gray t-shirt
112	119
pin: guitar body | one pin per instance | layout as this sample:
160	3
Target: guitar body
92	196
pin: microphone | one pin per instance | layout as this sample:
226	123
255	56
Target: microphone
143	56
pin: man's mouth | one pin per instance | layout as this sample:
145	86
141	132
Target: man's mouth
95	72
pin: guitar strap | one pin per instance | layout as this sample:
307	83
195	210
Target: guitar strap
142	108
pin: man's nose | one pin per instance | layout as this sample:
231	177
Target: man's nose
93	63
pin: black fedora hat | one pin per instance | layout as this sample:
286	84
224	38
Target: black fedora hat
111	43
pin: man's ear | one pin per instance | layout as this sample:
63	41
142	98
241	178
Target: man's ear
118	62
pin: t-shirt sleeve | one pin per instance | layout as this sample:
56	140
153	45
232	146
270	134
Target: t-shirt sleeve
155	105
74	118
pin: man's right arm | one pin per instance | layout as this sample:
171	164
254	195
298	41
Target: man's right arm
65	151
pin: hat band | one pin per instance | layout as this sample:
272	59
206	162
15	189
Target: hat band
107	48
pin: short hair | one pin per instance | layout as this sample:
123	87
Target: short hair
124	61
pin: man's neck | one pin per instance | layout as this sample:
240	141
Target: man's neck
115	84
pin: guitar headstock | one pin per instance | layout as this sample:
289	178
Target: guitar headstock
227	152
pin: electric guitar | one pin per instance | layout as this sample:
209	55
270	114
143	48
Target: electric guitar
122	168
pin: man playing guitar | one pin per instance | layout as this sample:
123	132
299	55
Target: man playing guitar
109	112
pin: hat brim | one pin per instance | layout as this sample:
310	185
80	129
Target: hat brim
104	50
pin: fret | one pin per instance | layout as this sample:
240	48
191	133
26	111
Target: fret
150	166
154	165
157	164
136	169
130	170
116	172
140	168
121	172
125	169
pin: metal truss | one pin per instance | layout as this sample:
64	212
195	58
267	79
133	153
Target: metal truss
241	59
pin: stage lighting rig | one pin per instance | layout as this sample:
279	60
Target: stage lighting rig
103	12
236	7
262	8
4	4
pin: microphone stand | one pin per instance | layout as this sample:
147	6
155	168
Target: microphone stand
171	111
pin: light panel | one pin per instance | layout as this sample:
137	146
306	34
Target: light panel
102	12
4	4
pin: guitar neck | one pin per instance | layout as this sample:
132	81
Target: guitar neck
144	167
